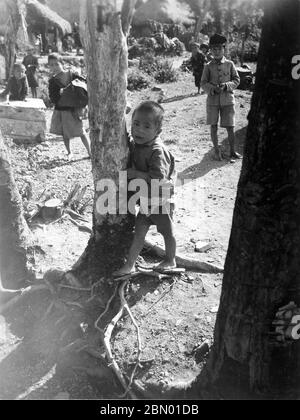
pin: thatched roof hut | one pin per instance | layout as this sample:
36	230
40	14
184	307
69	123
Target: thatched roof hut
163	11
38	12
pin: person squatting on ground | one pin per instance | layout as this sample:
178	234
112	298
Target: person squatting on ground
17	86
197	61
66	121
219	79
31	63
151	161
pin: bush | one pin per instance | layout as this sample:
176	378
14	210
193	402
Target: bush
165	73
160	69
250	52
137	79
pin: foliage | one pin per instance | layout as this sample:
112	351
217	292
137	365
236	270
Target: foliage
165	73
160	69
137	79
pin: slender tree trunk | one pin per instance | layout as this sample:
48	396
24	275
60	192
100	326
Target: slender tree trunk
262	270
14	233
103	31
14	8
215	4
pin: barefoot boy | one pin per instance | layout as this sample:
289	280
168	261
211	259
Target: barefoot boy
219	79
66	121
152	161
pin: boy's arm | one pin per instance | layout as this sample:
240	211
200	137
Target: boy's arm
25	89
208	87
158	168
235	79
54	91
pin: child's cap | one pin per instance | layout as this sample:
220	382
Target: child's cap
206	46
217	39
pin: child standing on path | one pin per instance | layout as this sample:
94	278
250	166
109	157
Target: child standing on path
219	80
17	86
31	64
198	60
152	162
66	121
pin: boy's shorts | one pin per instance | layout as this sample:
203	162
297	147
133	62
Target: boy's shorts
163	222
227	114
67	124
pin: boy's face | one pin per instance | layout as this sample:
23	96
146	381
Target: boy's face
218	51
195	49
18	73
144	127
55	66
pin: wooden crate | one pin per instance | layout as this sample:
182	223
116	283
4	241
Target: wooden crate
24	121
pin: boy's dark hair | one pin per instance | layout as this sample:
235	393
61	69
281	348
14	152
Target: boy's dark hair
54	56
151	107
19	66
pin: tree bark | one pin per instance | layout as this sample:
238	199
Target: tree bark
262	268
14	8
103	32
15	236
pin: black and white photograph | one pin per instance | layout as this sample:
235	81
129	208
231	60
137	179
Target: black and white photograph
149	203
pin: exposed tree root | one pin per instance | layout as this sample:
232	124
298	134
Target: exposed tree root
188	263
22	292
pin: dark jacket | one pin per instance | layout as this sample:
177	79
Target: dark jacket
16	88
54	90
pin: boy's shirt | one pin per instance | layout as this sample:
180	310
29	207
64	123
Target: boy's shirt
16	88
56	83
198	62
159	163
217	72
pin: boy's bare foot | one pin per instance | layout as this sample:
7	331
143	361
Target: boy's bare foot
218	155
235	155
165	266
124	271
70	156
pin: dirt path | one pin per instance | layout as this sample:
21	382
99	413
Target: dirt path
32	365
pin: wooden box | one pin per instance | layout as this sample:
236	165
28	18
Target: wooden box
24	121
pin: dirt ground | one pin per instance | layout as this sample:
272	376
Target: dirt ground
37	358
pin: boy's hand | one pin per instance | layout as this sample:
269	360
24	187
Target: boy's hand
131	173
217	89
223	86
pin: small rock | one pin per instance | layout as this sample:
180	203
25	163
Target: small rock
214	309
197	317
156	292
203	246
209	319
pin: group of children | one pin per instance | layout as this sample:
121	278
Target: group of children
150	158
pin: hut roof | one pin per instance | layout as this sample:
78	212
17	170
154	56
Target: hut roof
38	10
164	11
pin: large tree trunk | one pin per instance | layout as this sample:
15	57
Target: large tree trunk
103	31
14	233
262	269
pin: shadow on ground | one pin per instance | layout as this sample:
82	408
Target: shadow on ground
208	164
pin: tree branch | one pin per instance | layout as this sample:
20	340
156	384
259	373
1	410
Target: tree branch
127	14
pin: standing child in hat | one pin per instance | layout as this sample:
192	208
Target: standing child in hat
219	79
